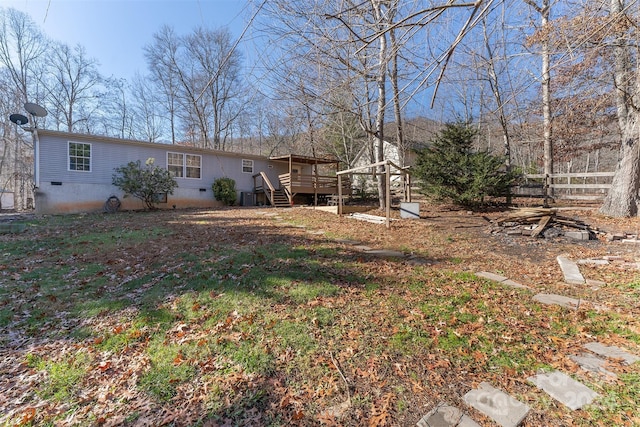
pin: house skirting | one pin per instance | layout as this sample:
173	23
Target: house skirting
61	198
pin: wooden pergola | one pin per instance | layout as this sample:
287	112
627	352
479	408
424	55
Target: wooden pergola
312	184
388	164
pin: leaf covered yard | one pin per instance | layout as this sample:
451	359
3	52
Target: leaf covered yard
279	317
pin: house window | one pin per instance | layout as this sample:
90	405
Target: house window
184	165
193	166
247	166
79	156
175	164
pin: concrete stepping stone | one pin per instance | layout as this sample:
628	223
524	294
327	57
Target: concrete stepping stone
444	415
612	352
596	283
497	405
593	261
570	271
594	364
564	389
418	261
348	242
553	299
385	253
500	279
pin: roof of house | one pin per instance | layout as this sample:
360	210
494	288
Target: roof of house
133	142
304	159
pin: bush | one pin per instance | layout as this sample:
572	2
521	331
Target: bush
144	182
450	170
224	190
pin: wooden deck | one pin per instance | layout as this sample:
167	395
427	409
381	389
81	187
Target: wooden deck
292	185
312	184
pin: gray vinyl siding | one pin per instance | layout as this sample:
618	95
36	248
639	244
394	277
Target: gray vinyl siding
110	154
60	186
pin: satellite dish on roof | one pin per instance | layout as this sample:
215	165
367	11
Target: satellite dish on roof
35	109
18	119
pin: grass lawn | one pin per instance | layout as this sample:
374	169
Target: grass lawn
238	317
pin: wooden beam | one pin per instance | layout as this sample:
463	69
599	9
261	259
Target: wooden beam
340	195
387	171
541	225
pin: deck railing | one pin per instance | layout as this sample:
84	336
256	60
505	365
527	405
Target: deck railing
261	182
297	183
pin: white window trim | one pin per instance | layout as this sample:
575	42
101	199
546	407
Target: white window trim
252	165
183	161
69	156
187	166
184	164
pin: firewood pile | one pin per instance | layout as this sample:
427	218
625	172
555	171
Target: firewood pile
543	222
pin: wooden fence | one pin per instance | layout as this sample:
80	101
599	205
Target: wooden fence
571	186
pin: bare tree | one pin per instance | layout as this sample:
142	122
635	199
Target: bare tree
198	75
22	49
361	41
162	60
72	80
544	10
148	123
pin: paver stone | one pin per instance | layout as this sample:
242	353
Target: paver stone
612	352
591	363
570	271
497	405
444	415
564	389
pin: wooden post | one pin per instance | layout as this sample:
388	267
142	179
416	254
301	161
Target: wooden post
315	184
547	186
387	170
409	186
290	192
340	195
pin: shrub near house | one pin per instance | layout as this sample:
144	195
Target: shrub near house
224	190
144	182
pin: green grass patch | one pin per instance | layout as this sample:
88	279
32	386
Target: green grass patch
303	292
409	340
295	335
63	377
619	400
168	369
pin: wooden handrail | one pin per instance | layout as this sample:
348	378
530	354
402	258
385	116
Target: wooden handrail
265	180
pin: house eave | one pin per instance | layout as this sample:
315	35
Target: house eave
133	142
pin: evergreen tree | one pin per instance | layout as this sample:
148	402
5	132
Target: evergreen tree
449	169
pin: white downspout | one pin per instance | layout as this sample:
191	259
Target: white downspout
36	158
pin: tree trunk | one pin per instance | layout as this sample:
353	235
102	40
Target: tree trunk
546	97
622	198
396	99
381	82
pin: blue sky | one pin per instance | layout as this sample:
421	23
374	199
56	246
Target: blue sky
115	31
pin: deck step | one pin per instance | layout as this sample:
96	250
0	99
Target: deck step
280	199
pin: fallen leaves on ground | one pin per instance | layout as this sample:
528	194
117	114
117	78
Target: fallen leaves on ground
373	341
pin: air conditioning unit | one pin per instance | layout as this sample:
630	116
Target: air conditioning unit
247	198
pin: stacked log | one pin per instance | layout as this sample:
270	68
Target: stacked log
534	221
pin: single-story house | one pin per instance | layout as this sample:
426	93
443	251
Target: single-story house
73	173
